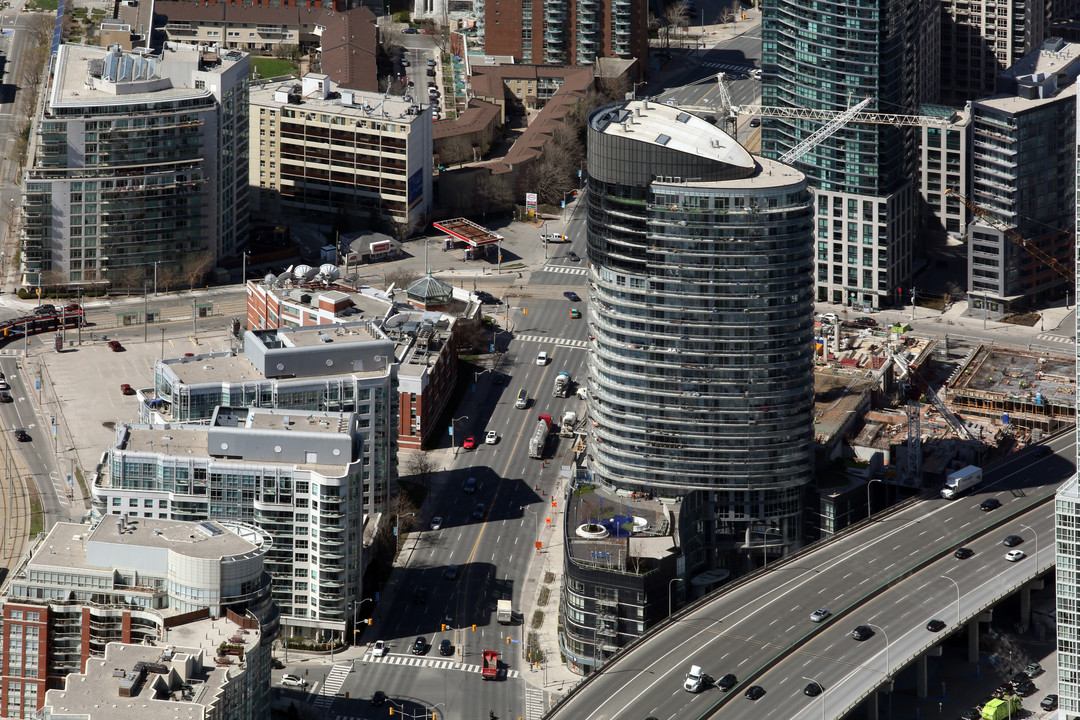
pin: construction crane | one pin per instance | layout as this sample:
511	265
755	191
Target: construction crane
823	132
872	118
1016	237
909	370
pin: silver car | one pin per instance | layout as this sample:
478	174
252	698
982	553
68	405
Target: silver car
820	614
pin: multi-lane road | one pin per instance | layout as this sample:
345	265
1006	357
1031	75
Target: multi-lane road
897	574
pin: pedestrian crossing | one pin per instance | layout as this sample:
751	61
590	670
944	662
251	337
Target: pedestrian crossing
560	342
566	270
333	684
437	663
747	69
534	703
1055	338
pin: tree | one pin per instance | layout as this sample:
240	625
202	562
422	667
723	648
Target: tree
494	194
402	278
455	149
421	465
197	268
676	15
287	51
550	177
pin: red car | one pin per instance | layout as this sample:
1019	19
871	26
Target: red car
470	443
115	346
127	389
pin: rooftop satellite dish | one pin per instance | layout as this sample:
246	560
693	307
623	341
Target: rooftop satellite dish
310	274
270	279
329	272
301	271
283	278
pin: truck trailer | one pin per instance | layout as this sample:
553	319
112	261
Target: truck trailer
538	441
504	612
961	481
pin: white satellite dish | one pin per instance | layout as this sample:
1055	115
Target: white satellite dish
301	271
310	274
329	272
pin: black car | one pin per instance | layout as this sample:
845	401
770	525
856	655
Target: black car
470	486
1042	451
1025	688
935	625
478	511
5	397
727	682
813	689
862	632
1012	540
450	573
45	310
964	553
277	664
755	692
22	436
1019	677
974	713
420	596
572	296
446	648
499	379
420	646
378	699
989	504
573	256
1049	702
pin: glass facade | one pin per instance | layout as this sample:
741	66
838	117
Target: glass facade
701	368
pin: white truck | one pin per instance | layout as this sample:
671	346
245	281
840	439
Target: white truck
504	612
569	421
538	441
696	680
562	385
961	481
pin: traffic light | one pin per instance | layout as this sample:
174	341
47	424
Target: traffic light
444	627
474	628
507	639
391	711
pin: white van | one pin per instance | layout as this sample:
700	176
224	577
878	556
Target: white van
542	359
522	399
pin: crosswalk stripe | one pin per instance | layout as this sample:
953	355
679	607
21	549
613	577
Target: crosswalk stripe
534	703
1055	338
564	342
410	660
334	680
565	270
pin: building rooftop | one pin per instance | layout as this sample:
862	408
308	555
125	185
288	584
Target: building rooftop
108	689
66	544
1034	377
89	75
358	104
671	127
647	523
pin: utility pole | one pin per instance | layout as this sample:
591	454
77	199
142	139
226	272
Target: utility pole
144	307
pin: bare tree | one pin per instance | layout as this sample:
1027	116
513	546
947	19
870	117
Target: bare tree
1011	655
402	278
676	15
455	149
421	465
494	194
550	177
197	267
287	51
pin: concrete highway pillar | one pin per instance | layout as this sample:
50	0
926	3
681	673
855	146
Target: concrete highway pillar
973	641
1025	607
872	706
920	677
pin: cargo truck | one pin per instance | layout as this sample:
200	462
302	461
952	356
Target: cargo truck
961	481
504	612
569	421
538	441
562	385
1003	709
490	669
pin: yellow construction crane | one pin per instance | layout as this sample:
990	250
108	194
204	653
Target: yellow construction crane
1016	237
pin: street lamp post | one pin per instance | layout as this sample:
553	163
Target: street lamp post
670	583
452	424
957	585
1026	527
869	510
822	694
356	608
882	630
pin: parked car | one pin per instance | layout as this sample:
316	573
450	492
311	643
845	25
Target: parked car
5	397
126	389
277	664
378	699
935	625
1033	670
1050	702
115	346
964	553
1025	688
293	681
410	31
989	504
419	646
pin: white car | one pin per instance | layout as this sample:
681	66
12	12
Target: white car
1014	555
378	649
293	681
436	522
820	614
491	438
829	318
542	359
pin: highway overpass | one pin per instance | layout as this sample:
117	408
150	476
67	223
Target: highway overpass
896	573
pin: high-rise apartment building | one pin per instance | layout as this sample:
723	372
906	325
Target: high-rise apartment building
828	56
294	475
139	162
323	149
564	32
945	164
1067	535
1023	176
700	379
980	40
138	581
